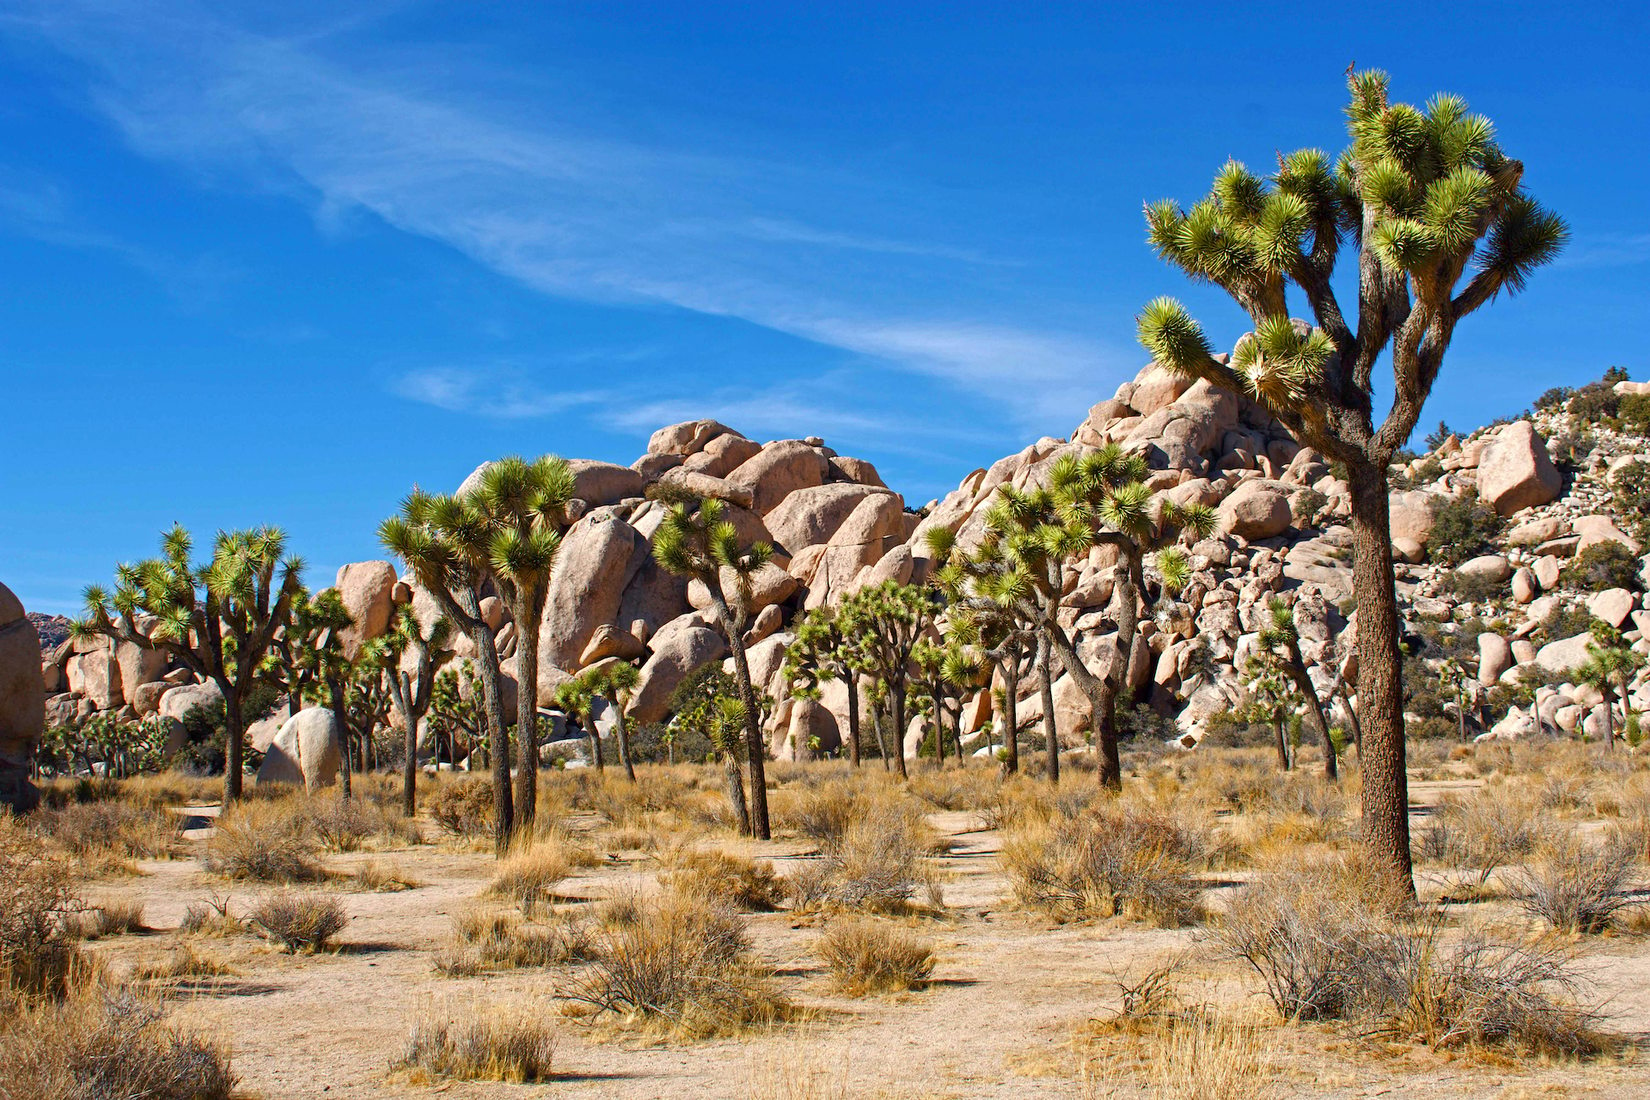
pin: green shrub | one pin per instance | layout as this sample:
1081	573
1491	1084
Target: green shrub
1634	412
1555	398
1473	587
1594	402
1602	565
1462	527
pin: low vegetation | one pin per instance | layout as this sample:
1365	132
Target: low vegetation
300	922
482	1044
873	956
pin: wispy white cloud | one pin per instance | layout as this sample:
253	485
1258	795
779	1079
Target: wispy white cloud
1606	250
813	253
495	394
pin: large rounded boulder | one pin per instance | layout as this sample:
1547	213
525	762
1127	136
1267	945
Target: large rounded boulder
22	702
307	751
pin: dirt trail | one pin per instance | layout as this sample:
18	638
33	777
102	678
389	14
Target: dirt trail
997	1022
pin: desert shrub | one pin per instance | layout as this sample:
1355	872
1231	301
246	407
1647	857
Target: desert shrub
263	842
113	917
210	918
507	940
747	884
1324	952
1630	491
1576	886
463	807
879	864
1472	587
300	922
1595	402
870	956
345	824
486	1045
676	962
1461	527
39	916
97	833
531	874
824	813
1603	565
1119	861
182	961
1633	410
1202	1056
1480	833
102	1046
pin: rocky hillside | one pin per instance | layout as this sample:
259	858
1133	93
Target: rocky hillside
836	527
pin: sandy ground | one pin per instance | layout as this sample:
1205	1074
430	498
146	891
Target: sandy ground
1001	1020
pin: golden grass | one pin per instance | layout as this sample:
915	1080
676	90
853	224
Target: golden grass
871	956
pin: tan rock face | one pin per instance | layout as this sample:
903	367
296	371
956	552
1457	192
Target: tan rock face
1515	471
603	482
723	455
306	751
704	484
1255	510
812	515
779	470
1411	514
368	591
677	652
610	641
587	586
1599	529
96	676
22	702
686	438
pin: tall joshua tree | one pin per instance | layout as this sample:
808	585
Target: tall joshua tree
416	650
1280	639
525	508
617	684
1098	499
819	654
446	541
576	698
1609	666
883	624
1441	226
694	541
947	672
985	613
218	620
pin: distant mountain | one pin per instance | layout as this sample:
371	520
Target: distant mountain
53	630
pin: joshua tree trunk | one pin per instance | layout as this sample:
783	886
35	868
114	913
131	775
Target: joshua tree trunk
1011	720
1380	678
492	705
593	741
755	748
733	776
1278	739
882	742
852	681
622	733
234	726
527	714
1051	727
1296	668
1609	717
939	736
409	767
340	718
897	694
1353	726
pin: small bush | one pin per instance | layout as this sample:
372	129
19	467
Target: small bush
869	956
1481	833
746	884
489	938
824	813
514	1046
39	916
1203	1057
463	807
531	874
182	961
878	865
300	922
1110	862
114	917
345	824
210	918
1578	887
103	835
1602	565
1595	402
263	842
108	1045
680	963
1462	527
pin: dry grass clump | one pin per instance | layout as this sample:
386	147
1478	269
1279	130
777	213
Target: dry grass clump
299	922
823	813
1323	951
748	884
503	939
1115	861
103	1044
347	824
264	841
536	866
1478	834
1208	1057
462	807
961	788
182	961
1578	887
489	1044
210	918
677	963
112	917
383	878
105	836
871	956
39	916
879	864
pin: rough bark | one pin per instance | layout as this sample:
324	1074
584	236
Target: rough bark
527	710
755	748
852	680
1380	679
1045	686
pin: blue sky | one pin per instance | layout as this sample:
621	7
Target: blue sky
276	262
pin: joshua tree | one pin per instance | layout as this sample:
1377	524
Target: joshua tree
1423	195
454	711
524	505
882	624
218	620
576	698
1455	681
617	683
1281	641
947	673
416	652
447	543
1609	667
985	613
1099	499
707	701
819	654
695	541
1273	697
